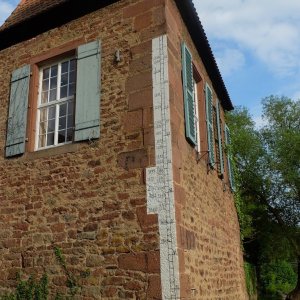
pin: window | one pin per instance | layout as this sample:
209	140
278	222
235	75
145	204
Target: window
51	86
219	139
209	126
211	123
216	137
190	94
55	112
229	158
196	115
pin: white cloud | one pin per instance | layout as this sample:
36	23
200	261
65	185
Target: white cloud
296	95
230	60
259	122
6	7
256	114
270	29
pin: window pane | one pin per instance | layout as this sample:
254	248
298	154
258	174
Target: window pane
63	109
70	121
51	112
50	139
61	136
52	95
42	141
44	97
43	114
70	133
42	130
63	91
51	125
71	89
65	67
46	73
45	85
64	79
72	65
70	108
62	123
53	83
72	77
54	71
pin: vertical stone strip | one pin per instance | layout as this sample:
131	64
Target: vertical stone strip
160	186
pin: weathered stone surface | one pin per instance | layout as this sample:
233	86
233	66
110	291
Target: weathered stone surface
89	198
83	197
94	261
210	256
133	159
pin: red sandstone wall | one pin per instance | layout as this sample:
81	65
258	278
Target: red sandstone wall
88	198
211	264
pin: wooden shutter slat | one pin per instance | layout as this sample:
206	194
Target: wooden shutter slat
188	92
17	117
210	128
220	142
87	114
229	159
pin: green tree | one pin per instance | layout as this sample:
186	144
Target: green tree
268	171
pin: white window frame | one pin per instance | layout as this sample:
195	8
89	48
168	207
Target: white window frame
52	103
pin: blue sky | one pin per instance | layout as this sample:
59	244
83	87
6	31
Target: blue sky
256	44
6	7
257	47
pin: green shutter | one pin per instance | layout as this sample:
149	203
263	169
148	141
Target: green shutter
87	114
227	135
229	159
188	94
210	127
220	142
17	116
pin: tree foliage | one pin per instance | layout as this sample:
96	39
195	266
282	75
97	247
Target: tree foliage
278	276
268	175
30	289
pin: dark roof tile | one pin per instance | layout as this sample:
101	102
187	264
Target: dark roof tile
196	30
32	17
28	9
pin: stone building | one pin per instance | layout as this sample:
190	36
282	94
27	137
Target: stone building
112	142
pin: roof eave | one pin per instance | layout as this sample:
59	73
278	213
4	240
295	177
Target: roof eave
28	29
195	28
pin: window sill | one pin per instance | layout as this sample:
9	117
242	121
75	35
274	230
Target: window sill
67	148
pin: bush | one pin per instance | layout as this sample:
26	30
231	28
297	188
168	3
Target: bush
251	279
277	277
30	289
